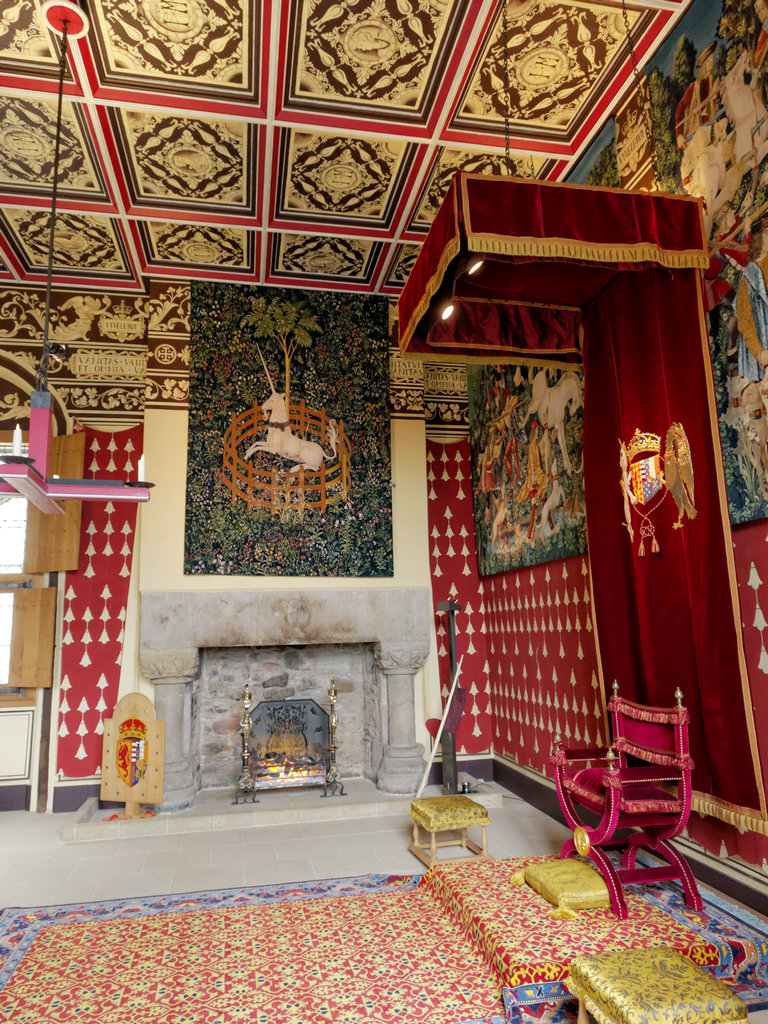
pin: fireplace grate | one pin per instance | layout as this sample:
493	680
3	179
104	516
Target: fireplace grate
289	744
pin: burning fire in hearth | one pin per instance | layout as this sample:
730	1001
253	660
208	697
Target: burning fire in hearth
291	744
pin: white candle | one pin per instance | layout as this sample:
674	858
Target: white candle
141	468
17	440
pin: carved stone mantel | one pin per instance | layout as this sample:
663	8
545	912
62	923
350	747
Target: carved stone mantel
176	625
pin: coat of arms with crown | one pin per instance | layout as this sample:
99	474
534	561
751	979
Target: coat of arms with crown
646	478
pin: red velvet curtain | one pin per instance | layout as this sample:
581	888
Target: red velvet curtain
668	619
627	261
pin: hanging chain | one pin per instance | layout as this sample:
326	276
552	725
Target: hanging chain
41	377
505	30
645	107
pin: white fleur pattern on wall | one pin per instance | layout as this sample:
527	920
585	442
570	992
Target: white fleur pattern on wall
543	662
95	598
453	562
526	638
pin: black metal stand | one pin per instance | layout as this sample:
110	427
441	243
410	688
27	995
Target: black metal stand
448	739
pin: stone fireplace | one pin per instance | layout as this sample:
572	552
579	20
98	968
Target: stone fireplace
200	647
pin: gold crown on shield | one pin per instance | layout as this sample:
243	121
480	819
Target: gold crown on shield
642	442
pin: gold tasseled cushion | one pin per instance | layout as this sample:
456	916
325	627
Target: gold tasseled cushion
652	986
568	884
440	813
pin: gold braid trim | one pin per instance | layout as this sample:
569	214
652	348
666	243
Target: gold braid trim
596	252
433	285
683	761
437	355
641	713
741	817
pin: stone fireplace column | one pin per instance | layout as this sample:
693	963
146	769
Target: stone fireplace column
172	672
402	765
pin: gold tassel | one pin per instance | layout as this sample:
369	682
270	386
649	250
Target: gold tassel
641	549
563	914
655	546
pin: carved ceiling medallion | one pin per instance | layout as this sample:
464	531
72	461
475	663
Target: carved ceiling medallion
452	160
176	40
327	257
27	142
555	55
342	176
186	158
199	244
369	51
83	242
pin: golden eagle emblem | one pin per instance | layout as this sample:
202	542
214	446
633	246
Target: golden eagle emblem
647	478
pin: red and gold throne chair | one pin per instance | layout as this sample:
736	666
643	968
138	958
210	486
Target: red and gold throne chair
643	783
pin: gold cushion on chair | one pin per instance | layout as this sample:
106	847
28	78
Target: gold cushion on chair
652	986
568	884
439	813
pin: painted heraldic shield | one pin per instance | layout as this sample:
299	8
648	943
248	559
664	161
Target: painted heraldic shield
132	751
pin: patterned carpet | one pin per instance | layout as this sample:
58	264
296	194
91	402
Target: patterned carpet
442	949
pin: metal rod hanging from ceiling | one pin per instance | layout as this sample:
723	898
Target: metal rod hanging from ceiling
41	377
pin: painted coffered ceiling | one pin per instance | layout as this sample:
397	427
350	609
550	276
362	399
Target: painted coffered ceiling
289	143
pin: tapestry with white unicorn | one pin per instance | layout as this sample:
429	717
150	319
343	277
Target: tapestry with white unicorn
289	455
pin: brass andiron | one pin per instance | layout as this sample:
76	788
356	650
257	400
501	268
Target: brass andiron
332	777
246	784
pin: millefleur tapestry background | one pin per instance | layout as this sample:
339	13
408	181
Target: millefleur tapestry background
288	468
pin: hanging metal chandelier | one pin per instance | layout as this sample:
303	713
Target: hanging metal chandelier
27	475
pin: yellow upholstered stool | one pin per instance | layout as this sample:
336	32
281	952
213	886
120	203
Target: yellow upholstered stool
444	814
651	986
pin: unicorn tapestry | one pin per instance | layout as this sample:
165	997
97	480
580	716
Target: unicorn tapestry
288	468
527	475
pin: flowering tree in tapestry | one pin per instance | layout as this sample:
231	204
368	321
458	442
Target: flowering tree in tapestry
289	458
527	477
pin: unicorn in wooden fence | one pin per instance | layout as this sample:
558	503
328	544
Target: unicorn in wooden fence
282	441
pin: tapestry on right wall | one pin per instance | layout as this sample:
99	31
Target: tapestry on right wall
708	89
527	473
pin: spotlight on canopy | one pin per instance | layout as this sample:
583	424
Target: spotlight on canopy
519	259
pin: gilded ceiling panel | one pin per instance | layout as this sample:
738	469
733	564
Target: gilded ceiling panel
556	51
369	52
27	144
178	41
328	175
83	242
22	36
404	261
173	157
199	244
452	160
319	256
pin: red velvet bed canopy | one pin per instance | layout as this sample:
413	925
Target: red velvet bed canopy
611	278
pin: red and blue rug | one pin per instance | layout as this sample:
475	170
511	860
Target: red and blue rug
457	945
